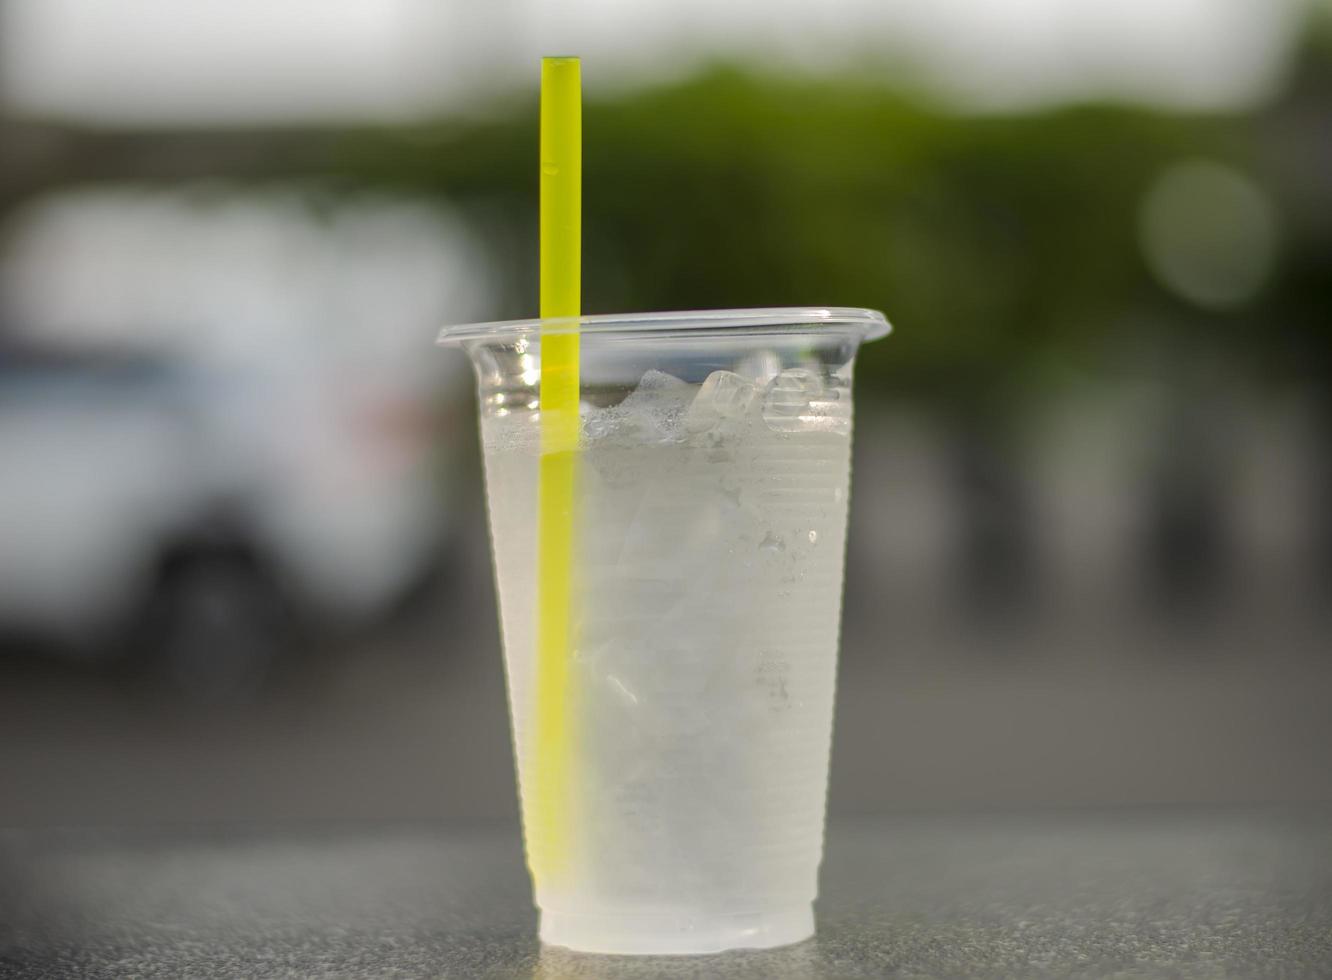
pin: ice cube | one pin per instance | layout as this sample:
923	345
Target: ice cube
651	412
658	388
760	367
723	396
789	397
658	403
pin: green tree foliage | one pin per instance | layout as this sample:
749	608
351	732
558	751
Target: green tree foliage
997	244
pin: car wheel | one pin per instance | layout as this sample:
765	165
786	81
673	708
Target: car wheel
219	626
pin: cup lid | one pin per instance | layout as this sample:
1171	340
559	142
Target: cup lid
869	324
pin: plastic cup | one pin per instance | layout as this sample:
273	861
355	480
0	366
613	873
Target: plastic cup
709	528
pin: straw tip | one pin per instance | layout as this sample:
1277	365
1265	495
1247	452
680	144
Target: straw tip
561	59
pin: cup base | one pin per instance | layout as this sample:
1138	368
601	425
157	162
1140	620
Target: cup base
676	935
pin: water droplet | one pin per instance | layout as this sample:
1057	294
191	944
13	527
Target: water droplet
813	537
550	170
772	543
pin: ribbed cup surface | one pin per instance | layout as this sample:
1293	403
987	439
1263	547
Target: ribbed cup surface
711	532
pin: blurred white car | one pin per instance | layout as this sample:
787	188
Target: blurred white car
205	513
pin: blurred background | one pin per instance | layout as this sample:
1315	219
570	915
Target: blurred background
243	567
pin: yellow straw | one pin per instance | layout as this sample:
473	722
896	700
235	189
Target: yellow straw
561	269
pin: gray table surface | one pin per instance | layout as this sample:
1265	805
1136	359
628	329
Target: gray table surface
1058	895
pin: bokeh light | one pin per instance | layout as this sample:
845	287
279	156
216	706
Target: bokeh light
1209	233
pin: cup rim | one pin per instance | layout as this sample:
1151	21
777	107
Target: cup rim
868	324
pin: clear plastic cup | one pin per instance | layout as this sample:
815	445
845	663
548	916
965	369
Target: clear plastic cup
709	531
